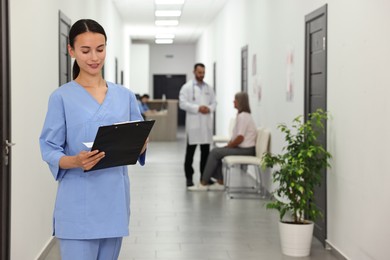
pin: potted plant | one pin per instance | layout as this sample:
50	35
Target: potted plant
298	171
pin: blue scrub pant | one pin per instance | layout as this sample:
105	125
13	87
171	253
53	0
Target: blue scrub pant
90	249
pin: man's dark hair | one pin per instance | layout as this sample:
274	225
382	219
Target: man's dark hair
199	65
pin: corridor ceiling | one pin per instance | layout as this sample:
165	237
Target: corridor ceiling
139	17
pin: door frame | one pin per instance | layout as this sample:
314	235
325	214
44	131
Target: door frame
64	24
5	133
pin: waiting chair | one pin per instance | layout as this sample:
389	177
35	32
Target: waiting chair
232	161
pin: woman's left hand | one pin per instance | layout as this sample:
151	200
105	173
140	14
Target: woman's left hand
145	146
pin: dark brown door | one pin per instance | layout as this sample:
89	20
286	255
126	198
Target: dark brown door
169	85
215	91
5	133
316	93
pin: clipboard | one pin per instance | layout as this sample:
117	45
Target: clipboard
122	143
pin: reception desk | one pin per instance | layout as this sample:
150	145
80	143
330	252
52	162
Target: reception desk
165	127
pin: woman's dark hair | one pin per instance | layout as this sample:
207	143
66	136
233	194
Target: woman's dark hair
79	27
242	102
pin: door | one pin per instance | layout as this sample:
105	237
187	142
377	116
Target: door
64	57
316	93
169	85
5	133
215	92
244	69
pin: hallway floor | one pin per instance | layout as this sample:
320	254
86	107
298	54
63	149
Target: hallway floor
170	223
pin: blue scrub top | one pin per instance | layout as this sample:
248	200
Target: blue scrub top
94	204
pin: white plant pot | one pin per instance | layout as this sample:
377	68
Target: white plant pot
296	239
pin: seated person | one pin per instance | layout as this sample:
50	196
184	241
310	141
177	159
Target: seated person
243	142
143	106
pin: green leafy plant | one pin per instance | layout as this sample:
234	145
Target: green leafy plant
299	168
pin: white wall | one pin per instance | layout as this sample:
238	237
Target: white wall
139	68
359	96
358	134
181	61
34	72
34	75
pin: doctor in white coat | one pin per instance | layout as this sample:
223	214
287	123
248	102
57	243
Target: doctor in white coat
197	98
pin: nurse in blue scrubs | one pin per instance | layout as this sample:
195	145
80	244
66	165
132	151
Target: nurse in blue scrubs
92	209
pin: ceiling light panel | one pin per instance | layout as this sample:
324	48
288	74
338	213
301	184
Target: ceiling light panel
167	13
163	41
169	2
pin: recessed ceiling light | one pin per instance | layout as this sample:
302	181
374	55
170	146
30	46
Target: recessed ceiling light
165	36
170	13
163	41
166	22
169	2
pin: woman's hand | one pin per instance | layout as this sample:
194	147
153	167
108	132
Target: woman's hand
85	160
145	146
235	142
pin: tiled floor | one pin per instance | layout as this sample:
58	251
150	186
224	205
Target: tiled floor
170	223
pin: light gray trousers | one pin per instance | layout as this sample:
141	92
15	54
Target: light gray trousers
214	161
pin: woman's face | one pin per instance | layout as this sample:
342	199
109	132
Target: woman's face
235	103
90	52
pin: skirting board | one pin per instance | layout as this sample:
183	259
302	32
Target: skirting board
46	250
335	251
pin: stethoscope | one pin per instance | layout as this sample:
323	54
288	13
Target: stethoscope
193	89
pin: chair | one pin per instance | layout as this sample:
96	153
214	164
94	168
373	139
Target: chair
221	140
232	161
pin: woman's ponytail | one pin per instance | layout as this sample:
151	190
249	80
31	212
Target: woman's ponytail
76	70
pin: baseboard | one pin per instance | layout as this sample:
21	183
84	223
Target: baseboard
46	250
335	251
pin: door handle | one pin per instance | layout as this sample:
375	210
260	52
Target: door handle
6	151
7	146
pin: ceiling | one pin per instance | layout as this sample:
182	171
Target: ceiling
138	15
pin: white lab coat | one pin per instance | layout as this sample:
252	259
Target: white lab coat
199	127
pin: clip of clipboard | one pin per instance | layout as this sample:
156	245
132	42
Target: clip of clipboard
122	143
